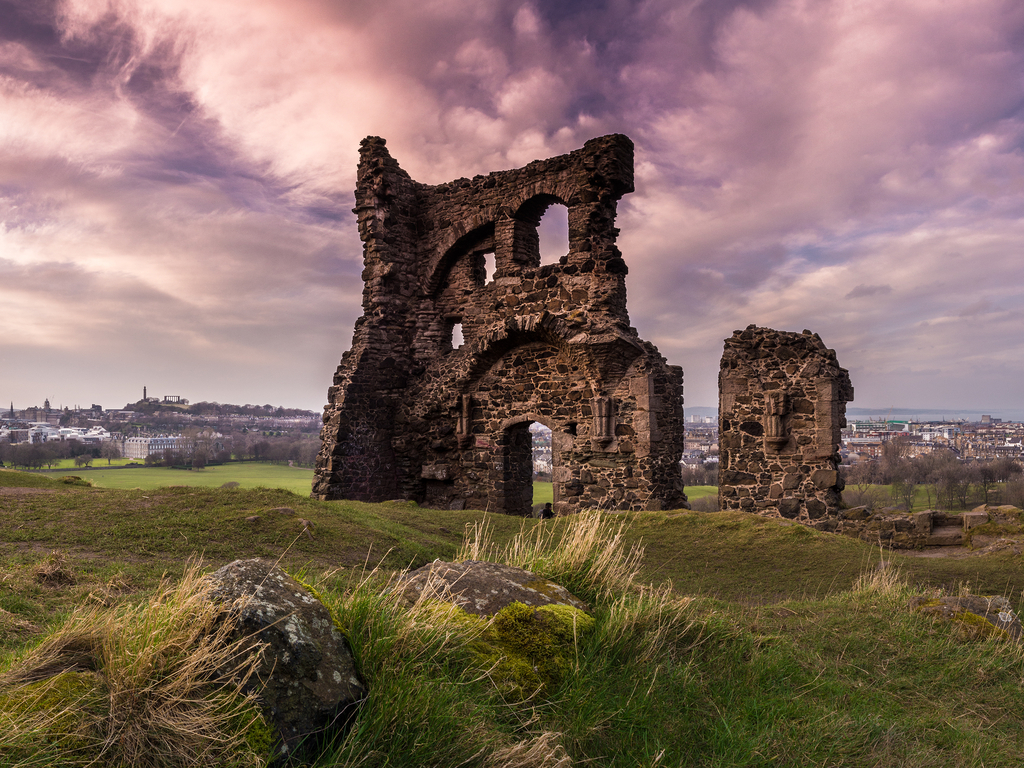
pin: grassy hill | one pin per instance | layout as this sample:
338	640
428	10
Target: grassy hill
768	642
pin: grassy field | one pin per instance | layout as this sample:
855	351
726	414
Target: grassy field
247	475
70	463
769	644
924	497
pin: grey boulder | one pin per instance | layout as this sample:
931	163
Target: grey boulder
306	682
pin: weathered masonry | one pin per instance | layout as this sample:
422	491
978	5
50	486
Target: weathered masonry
782	403
413	416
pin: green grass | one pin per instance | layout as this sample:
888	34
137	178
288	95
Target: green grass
70	463
924	498
247	475
700	491
542	492
766	644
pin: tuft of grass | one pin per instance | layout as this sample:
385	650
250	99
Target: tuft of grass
153	685
426	704
544	750
585	553
57	570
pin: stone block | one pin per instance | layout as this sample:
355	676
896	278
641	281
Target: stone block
824	478
791	482
436	472
948	536
974	519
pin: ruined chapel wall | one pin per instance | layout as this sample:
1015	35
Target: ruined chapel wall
549	383
545	343
499	213
782	403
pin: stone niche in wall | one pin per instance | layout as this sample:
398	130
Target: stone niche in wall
782	404
414	414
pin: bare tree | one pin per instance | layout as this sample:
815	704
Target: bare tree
904	484
894	453
110	450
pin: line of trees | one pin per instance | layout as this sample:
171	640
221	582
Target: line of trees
945	480
298	450
700	474
39	455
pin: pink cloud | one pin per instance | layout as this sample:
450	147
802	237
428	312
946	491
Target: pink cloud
789	154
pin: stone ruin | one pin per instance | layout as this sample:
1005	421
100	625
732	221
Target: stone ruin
782	403
411	416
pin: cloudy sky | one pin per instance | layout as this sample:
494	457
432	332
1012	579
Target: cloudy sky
176	179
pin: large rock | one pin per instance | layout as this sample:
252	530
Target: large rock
484	589
306	682
986	615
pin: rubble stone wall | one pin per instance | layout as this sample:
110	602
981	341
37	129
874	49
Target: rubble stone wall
411	416
782	403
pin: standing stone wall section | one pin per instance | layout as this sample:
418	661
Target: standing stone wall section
411	416
782	404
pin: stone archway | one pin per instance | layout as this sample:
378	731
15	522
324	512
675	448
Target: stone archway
514	466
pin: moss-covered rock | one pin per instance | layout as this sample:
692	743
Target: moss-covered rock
531	649
484	588
981	616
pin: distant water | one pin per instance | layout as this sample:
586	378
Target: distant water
903	414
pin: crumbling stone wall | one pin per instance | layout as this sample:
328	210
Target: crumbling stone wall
782	403
409	416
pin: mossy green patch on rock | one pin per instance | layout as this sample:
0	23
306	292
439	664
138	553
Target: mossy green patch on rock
977	626
976	615
530	649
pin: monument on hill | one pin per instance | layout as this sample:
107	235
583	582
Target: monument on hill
412	416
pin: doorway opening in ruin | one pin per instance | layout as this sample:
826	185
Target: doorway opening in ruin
527	468
553	233
540	437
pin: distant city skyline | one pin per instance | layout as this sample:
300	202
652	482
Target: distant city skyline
853	413
176	179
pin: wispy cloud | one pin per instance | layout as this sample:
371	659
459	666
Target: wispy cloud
176	176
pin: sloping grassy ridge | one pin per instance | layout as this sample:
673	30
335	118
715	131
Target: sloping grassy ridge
770	647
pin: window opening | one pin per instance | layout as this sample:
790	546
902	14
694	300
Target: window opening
489	267
457	339
553	233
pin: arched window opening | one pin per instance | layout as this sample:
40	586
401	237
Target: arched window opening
489	267
553	233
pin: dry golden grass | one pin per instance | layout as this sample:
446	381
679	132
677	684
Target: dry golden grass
155	685
542	751
584	553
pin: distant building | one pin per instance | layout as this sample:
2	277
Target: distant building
141	447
